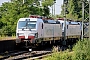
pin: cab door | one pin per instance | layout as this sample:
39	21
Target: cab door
40	30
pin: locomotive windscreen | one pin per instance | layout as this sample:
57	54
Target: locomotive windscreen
32	24
27	24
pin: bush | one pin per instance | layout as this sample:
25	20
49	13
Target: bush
82	50
60	56
6	31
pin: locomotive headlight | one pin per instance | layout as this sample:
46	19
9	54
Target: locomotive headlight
36	35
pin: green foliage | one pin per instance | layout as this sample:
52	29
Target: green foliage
74	8
47	2
81	51
1	24
60	56
6	30
10	12
46	11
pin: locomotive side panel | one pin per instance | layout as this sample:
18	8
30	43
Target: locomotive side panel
52	31
48	30
57	30
39	30
73	31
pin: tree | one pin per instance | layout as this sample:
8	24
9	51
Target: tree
74	7
10	12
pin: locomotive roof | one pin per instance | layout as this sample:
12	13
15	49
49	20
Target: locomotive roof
51	21
69	22
30	19
38	19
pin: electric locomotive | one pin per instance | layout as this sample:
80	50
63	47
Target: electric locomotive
34	31
72	29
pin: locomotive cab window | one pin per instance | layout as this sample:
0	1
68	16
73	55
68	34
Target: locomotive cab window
42	25
21	24
27	25
62	24
32	25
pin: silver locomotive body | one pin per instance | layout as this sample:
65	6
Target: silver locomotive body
36	30
73	29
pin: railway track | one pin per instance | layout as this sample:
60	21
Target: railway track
19	55
36	54
39	57
27	55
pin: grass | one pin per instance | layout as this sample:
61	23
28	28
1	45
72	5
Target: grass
7	37
62	55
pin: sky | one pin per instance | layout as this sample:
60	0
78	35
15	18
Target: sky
57	6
